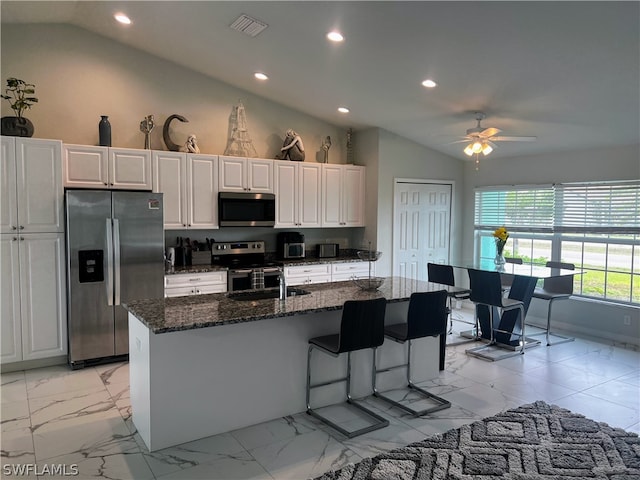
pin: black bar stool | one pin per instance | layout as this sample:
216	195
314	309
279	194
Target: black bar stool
486	293
427	317
555	288
362	326
443	274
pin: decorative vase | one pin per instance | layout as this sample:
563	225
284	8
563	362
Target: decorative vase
104	129
499	261
16	127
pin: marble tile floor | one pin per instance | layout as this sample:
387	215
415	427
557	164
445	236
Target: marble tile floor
54	417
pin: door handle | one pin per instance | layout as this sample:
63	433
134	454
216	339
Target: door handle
109	282
116	259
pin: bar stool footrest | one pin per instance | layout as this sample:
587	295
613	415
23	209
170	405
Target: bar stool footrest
380	422
492	347
441	403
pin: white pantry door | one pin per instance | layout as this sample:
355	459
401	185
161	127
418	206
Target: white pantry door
421	227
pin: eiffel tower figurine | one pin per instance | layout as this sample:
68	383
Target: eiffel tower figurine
240	143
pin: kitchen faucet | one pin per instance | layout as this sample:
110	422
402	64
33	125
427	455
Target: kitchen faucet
283	284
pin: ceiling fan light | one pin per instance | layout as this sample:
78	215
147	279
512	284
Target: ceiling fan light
476	147
468	150
487	149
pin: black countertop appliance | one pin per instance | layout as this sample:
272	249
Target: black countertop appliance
290	245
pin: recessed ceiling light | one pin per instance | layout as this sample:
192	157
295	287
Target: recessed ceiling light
260	76
122	18
429	83
343	109
335	36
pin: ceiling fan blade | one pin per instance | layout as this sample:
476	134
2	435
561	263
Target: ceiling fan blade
466	140
490	132
514	139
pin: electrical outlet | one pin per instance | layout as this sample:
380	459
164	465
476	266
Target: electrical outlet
627	319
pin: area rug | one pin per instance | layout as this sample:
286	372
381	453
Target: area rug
532	442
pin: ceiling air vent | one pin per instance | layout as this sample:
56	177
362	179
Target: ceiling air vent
249	26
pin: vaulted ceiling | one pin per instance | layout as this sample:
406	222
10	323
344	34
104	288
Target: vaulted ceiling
565	72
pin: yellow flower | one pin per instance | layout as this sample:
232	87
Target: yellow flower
501	234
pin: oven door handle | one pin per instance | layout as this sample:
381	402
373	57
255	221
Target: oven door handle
233	272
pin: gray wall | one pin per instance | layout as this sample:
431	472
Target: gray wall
80	76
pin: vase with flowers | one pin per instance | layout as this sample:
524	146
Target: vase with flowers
501	236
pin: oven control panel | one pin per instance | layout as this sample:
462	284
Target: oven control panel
237	248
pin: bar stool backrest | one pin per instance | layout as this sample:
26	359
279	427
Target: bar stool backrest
514	260
559	284
362	324
486	287
440	274
427	316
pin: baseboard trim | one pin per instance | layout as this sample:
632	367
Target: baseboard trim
31	364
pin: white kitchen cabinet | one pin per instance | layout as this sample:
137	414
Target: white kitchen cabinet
188	182
32	195
307	274
343	195
238	174
183	284
348	270
298	194
107	167
34	319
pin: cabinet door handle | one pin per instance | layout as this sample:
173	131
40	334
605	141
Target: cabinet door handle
105	183
21	227
13	227
15	239
22	239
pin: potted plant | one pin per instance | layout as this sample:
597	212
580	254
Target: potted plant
19	94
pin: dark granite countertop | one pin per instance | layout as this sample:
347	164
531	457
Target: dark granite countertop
165	315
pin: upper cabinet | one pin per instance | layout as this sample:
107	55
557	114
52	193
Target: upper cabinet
298	194
189	185
32	195
343	196
107	167
237	174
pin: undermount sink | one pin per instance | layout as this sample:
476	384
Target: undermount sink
250	295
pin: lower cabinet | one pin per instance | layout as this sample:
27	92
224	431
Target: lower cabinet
184	284
349	270
34	318
307	274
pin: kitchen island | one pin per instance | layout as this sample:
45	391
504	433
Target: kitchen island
208	364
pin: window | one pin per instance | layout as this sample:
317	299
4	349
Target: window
595	226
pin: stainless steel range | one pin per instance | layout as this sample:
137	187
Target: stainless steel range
248	269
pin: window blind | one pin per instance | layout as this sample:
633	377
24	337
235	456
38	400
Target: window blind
519	208
594	207
612	207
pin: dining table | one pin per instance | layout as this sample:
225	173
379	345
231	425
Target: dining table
524	278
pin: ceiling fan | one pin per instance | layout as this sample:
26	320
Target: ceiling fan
481	140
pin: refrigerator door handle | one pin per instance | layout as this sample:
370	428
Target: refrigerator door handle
109	275
116	259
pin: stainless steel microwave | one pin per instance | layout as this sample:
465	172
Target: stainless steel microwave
245	209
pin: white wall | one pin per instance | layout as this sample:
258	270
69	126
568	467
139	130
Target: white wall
80	76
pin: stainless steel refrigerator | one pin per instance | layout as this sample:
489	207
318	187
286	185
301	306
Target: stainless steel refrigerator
115	253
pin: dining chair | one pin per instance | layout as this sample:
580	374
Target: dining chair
486	293
443	274
553	289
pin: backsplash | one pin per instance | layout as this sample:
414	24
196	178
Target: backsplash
345	237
